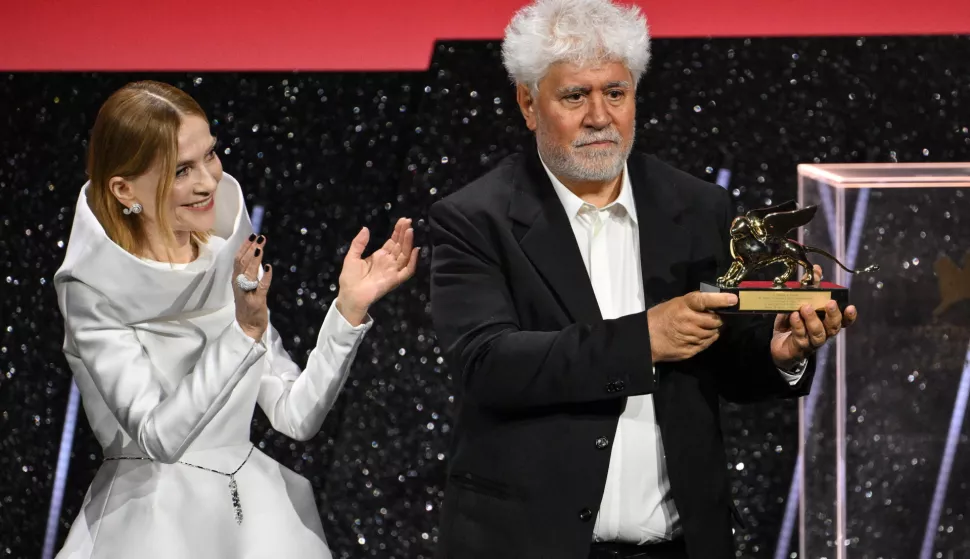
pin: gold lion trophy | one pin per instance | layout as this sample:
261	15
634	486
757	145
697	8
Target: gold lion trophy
759	239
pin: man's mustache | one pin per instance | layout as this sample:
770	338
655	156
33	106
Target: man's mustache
610	135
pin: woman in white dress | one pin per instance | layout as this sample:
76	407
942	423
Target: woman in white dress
163	292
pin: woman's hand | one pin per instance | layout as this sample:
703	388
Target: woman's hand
251	312
363	281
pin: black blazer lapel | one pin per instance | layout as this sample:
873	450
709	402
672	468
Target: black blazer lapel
664	245
545	235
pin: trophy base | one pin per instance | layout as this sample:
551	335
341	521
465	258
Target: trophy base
761	297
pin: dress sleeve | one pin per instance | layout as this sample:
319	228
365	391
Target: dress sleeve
162	424
297	401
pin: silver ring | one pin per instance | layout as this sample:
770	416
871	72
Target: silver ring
246	284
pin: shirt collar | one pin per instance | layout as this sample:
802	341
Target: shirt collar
572	203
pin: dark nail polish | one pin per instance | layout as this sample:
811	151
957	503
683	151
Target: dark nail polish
261	239
256	253
265	267
252	238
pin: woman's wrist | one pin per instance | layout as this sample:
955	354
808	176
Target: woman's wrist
253	332
352	313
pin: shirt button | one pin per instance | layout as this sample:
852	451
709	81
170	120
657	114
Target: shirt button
611	387
585	515
602	443
620	385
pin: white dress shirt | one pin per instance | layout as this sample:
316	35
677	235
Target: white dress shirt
637	506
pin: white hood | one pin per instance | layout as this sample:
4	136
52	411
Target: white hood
141	291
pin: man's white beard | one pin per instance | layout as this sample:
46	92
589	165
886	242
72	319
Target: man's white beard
575	163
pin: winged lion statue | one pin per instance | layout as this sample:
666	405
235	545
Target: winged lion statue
759	239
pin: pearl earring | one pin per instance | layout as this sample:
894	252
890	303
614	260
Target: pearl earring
134	209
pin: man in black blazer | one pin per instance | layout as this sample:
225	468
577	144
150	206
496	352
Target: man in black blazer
564	287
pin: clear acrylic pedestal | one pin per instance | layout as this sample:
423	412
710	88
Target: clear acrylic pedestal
884	455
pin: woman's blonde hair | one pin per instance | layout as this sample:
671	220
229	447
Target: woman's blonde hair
137	128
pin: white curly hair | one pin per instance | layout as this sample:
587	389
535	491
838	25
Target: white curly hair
581	32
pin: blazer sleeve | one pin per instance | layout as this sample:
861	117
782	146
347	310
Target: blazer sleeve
741	357
500	364
297	401
162	424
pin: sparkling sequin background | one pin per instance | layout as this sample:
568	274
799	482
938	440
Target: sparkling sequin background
328	153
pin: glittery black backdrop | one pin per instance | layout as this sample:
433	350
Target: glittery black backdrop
328	153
